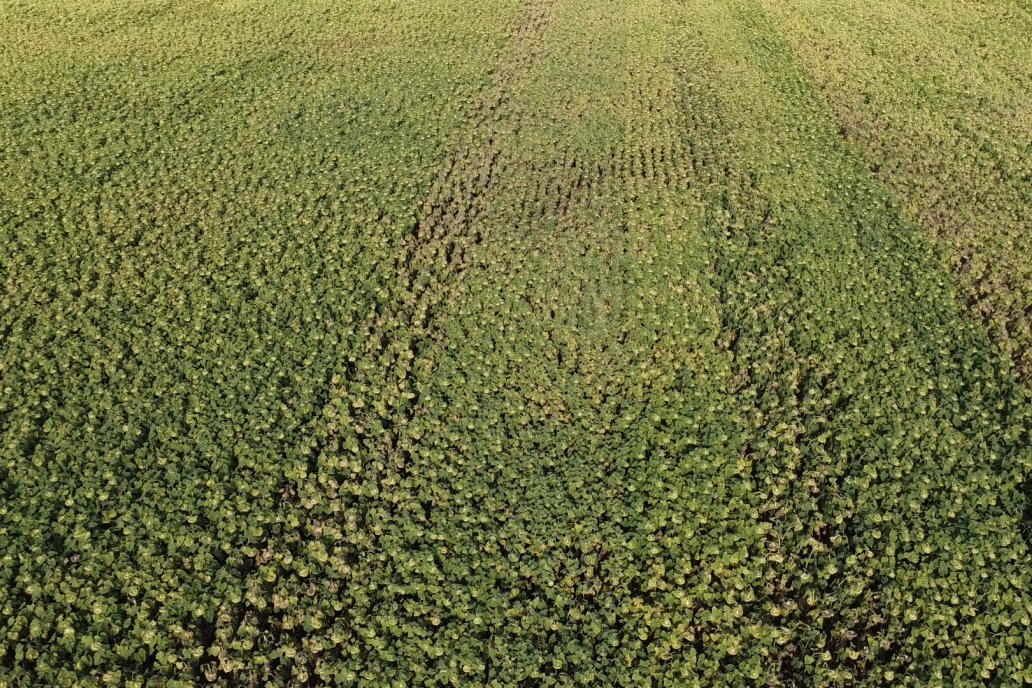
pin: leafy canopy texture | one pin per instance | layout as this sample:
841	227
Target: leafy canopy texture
540	343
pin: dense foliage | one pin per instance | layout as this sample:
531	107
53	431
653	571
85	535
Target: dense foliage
939	94
560	342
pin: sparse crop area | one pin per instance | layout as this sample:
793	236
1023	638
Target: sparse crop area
542	343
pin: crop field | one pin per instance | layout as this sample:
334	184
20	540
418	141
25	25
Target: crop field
515	343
